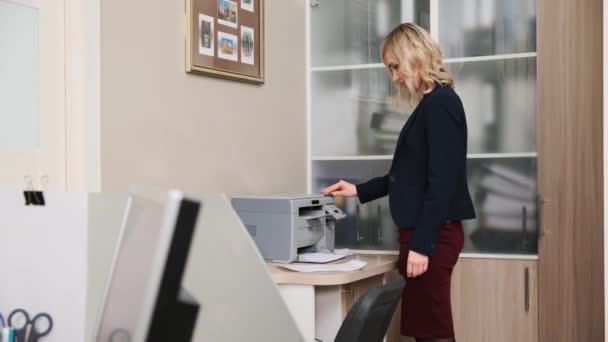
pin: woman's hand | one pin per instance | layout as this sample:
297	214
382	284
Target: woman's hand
341	188
417	264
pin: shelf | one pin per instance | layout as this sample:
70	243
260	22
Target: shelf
501	155
476	255
470	156
329	158
349	67
469	255
490	58
445	61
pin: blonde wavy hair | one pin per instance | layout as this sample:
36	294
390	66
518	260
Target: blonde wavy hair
420	61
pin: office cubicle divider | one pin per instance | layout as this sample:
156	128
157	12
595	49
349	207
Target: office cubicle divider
57	257
44	259
227	275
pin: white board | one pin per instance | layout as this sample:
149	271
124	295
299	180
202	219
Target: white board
44	260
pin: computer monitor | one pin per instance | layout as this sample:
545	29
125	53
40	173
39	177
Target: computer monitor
144	300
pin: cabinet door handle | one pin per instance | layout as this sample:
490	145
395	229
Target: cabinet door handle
527	288
524	227
358	223
379	213
539	212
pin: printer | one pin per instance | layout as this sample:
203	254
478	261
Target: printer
284	226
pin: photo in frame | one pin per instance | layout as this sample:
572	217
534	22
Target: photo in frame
225	39
247	45
227	13
227	47
207	36
247	5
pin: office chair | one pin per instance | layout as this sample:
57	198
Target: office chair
370	316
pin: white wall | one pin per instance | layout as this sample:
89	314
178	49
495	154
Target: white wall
82	44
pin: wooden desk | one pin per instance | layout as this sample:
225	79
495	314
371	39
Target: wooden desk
320	301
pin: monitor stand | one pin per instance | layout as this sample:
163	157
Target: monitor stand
177	321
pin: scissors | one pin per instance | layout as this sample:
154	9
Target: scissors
40	326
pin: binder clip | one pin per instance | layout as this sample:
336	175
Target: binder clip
32	196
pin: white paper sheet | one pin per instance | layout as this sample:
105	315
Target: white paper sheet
342	251
319	258
350	266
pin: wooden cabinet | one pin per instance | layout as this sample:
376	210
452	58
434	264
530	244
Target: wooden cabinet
570	117
495	300
492	300
516	138
494	69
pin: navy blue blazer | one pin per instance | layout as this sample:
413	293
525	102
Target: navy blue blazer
427	181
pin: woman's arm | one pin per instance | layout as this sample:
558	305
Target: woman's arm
368	191
372	189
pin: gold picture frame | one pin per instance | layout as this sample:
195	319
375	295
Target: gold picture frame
225	39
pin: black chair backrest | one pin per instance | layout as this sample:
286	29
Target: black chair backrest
370	316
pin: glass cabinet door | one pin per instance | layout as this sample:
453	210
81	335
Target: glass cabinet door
19	75
349	32
32	94
470	28
356	116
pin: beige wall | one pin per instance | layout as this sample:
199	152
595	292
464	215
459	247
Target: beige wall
165	128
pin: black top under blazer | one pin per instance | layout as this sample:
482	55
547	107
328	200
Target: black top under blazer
427	181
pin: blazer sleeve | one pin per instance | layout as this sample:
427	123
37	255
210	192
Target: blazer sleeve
445	126
372	189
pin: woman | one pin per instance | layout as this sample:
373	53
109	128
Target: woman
426	184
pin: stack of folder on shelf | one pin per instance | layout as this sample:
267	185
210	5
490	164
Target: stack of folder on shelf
507	210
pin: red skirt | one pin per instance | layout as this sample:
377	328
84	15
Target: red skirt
426	309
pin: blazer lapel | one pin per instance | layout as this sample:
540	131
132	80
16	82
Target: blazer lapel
406	127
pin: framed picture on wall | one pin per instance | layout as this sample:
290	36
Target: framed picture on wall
225	39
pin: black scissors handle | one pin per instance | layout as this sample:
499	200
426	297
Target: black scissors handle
20	327
35	331
14	315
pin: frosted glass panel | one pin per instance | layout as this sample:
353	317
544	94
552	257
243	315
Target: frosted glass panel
504	192
345	32
500	101
486	27
367	226
19	75
354	113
